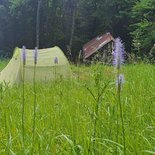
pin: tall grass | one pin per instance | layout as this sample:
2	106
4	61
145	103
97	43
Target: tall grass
65	109
35	98
23	93
98	99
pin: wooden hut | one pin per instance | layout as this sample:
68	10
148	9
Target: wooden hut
99	49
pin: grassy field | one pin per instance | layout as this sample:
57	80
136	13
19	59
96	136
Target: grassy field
76	117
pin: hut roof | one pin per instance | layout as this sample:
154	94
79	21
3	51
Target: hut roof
95	44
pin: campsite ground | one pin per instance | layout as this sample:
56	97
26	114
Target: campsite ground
65	114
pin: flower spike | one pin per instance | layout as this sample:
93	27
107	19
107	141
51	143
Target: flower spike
24	55
118	53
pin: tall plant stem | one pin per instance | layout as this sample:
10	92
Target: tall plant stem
98	101
121	111
122	121
118	100
34	105
23	104
95	123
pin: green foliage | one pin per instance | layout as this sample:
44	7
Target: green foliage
143	27
14	4
123	18
152	54
92	18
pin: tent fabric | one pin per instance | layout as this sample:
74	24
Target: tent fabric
51	64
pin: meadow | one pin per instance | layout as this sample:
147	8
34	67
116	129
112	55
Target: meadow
79	116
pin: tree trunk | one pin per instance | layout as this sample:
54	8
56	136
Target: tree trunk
72	27
38	23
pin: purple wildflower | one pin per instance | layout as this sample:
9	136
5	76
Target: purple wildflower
56	60
118	53
35	55
24	55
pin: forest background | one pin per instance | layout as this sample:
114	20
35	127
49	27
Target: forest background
69	24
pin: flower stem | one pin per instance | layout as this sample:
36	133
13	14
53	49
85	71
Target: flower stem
123	129
118	100
121	110
23	105
34	105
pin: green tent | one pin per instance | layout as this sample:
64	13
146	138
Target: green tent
51	64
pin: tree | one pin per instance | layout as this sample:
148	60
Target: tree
143	26
74	6
38	23
71	23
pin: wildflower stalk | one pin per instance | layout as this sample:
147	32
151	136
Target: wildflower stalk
118	60
34	91
119	106
23	101
118	101
121	115
23	92
98	98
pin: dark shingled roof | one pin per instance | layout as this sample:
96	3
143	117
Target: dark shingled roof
95	44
